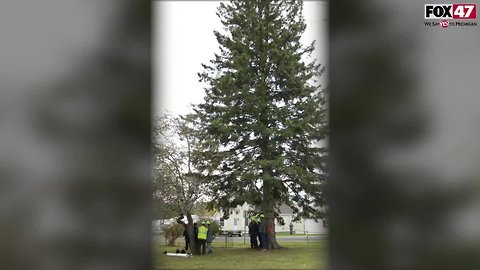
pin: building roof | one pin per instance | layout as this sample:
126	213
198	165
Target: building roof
285	209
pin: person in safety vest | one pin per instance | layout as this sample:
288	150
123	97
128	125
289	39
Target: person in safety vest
202	238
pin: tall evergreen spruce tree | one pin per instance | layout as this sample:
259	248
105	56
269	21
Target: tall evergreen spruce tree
264	118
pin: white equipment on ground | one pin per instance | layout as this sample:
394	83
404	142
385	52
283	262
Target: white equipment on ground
186	255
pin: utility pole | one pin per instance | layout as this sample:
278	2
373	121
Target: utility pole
303	221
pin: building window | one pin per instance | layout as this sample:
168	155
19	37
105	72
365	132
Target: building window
235	221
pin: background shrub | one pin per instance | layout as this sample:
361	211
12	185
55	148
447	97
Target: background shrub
172	232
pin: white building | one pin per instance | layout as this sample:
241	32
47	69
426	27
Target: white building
238	221
158	224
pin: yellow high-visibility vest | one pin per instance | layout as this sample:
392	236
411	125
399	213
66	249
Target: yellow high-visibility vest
202	232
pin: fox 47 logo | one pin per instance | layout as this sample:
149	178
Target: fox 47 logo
451	11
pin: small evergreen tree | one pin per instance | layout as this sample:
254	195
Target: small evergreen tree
263	120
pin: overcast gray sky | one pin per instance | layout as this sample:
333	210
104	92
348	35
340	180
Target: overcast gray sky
184	39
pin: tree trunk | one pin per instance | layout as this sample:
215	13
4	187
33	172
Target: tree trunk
189	228
268	210
191	235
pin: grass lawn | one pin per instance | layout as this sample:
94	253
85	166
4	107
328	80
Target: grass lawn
295	255
288	234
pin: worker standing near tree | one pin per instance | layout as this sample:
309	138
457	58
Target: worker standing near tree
187	237
258	219
209	237
195	238
262	232
253	232
202	238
